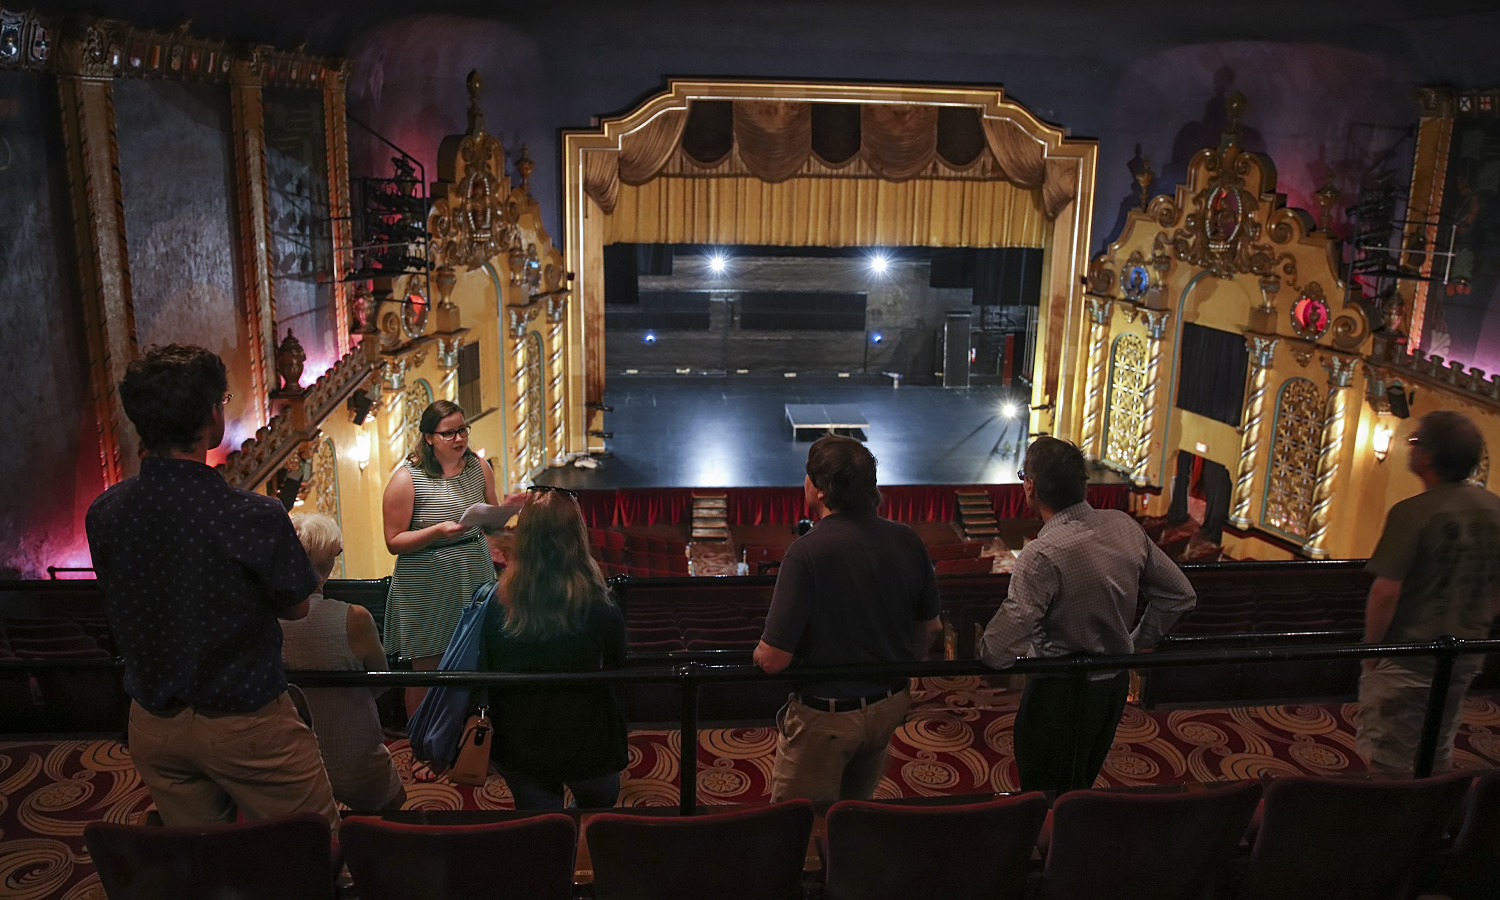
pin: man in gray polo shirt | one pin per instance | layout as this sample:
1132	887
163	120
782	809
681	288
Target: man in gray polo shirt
856	590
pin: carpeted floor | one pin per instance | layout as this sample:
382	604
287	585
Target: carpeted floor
957	741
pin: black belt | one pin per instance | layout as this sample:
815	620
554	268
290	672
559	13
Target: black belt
843	704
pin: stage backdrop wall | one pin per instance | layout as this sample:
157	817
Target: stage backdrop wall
627	507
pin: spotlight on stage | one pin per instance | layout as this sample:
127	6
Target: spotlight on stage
879	263
1010	410
876	338
650	337
717	264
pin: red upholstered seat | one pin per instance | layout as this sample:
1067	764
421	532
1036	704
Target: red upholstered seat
705	644
1347	840
879	851
638	542
638	571
80	641
975	566
665	646
1473	869
678	564
641	635
960	550
751	854
735	621
1111	844
528	859
82	653
657	545
747	633
596	537
613	555
43	632
614	540
660	562
289	858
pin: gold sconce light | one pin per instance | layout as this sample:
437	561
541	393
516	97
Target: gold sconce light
1380	442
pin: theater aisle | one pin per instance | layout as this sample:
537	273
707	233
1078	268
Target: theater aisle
958	741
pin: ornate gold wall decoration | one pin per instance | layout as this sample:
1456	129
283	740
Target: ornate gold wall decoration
1309	313
1340	376
326	480
1293	469
1480	477
414	401
1262	357
531	434
1155	322
259	303
1126	384
26	40
474	222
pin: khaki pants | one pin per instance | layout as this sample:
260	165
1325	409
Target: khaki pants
204	769
368	782
1393	705
823	755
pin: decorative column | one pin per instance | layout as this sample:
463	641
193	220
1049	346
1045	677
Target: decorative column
1155	322
249	124
1262	355
335	126
1099	310
1340	376
557	308
86	96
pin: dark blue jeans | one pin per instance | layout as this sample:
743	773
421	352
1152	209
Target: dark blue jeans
540	793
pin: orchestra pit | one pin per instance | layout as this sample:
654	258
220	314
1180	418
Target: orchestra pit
629	263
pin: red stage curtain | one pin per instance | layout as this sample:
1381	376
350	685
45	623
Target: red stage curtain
765	506
1109	496
598	508
653	506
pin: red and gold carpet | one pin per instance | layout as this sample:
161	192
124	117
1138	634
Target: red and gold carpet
958	741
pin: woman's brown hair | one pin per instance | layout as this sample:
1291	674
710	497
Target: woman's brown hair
422	455
552	581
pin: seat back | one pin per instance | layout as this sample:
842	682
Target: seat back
881	851
520	860
1335	839
1473	871
287	858
753	854
1110	844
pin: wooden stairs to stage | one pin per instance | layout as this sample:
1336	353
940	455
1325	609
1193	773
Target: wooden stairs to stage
976	515
710	517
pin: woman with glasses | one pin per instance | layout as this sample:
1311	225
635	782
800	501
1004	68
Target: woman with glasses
438	562
553	613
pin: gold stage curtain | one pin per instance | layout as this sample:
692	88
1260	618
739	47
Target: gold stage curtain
1022	157
601	177
774	138
643	152
1061	186
829	212
898	142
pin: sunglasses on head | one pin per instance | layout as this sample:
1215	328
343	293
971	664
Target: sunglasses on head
552	487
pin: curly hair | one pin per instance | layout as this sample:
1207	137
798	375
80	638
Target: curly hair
170	394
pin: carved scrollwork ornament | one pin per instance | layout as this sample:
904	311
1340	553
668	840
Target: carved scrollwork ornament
1262	350
557	308
1155	322
1301	352
393	373
1310	313
1099	309
519	317
474	222
447	351
1340	370
1350	328
1101	279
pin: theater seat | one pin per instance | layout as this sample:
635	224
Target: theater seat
520	860
719	622
664	646
751	854
1473	869
1111	845
979	851
1334	839
748	633
43	632
288	858
976	566
642	635
962	550
706	644
20	646
678	564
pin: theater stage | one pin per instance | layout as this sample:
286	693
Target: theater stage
694	431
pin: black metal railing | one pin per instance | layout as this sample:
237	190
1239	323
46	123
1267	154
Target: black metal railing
691	676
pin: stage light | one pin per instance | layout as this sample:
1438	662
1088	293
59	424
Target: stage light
1380	442
879	263
717	264
650	337
1009	410
876	338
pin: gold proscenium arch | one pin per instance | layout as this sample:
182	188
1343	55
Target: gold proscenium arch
1067	196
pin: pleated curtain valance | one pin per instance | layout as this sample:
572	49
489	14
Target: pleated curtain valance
775	139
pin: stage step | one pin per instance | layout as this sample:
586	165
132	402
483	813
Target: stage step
710	517
976	515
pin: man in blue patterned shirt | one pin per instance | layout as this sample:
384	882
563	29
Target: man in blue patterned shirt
195	574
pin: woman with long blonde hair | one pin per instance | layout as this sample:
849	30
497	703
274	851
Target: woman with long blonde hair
553	613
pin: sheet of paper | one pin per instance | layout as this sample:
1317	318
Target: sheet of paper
487	516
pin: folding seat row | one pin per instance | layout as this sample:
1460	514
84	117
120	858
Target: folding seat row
970	566
961	550
1326	838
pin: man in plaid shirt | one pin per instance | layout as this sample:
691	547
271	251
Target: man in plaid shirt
1073	593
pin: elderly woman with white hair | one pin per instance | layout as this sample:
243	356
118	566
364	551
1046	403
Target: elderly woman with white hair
337	636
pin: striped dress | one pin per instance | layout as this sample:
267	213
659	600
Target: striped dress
430	586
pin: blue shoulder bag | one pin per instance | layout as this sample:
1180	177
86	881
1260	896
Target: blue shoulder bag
435	728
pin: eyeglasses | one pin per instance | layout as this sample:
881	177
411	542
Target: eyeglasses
543	488
1020	474
453	435
224	400
1414	441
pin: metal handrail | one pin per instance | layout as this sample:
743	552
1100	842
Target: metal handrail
692	675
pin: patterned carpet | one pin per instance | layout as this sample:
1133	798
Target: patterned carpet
957	741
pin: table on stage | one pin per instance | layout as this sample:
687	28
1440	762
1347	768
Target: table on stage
820	418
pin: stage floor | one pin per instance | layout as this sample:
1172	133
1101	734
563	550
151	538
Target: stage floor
712	432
